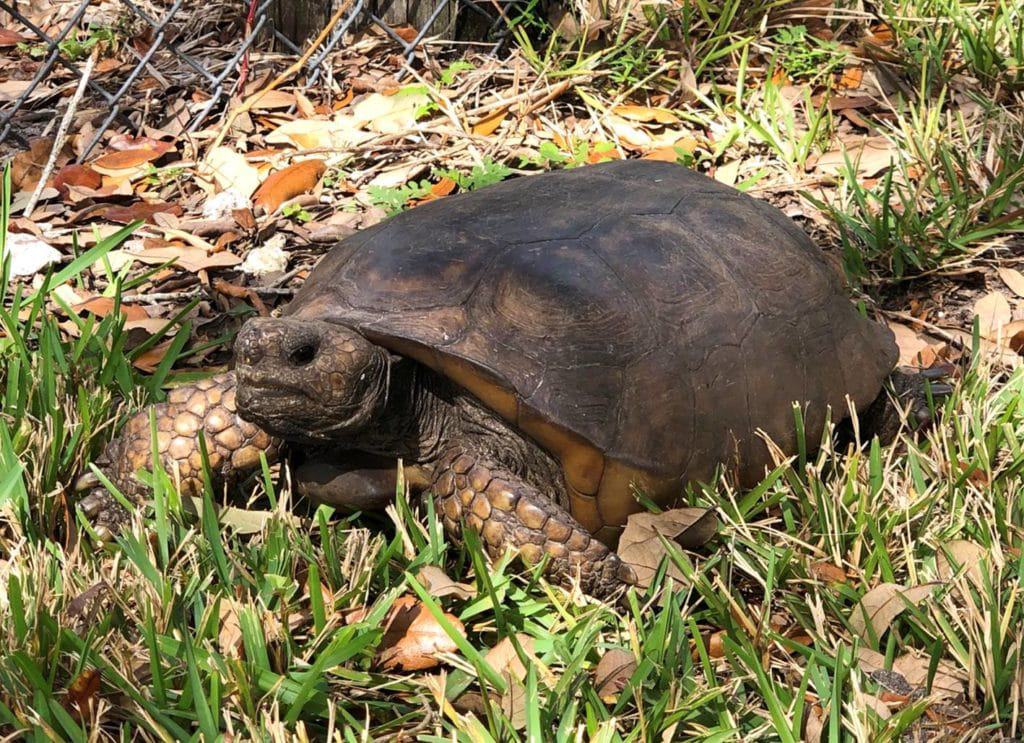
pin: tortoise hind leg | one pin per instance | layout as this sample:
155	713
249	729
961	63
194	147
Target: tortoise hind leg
206	409
510	514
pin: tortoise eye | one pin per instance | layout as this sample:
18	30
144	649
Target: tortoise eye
303	354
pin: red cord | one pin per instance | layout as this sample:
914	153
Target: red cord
250	18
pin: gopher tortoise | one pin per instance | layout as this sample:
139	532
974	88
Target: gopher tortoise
532	352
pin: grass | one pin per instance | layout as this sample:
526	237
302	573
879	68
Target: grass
205	623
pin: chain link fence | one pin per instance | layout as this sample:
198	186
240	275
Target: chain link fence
186	57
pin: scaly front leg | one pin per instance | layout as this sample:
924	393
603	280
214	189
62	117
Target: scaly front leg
510	514
206	409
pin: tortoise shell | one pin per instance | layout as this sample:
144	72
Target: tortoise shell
640	321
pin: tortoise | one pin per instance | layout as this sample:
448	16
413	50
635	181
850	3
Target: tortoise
533	351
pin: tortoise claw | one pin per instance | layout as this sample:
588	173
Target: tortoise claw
87	481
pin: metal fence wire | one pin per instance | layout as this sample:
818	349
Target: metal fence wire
195	51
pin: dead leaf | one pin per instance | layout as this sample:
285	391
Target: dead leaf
645	114
150	360
273	99
439	584
391	114
641	547
29	255
11	38
993	312
814	725
231	171
852	77
486	126
612	674
1014	279
103	306
296	179
140	210
628	133
947	682
915	349
882	604
76	175
229	637
407	34
953	557
83	692
728	172
112	162
868	155
828	572
413	640
187	257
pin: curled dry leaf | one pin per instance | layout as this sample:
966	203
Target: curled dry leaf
1014	279
882	604
391	114
296	179
187	257
229	638
81	176
915	348
993	312
504	659
413	640
641	547
140	210
82	694
612	674
486	126
439	584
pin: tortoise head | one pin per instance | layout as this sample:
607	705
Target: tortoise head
303	379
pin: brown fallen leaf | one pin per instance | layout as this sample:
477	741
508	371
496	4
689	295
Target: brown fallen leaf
150	360
641	547
1014	279
612	674
882	604
828	572
9	37
439	584
814	724
993	312
82	694
81	176
140	210
646	114
413	640
103	306
296	179
229	636
133	158
187	257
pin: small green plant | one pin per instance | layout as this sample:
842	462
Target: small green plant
804	56
159	177
72	47
394	199
485	174
549	156
296	212
634	62
456	68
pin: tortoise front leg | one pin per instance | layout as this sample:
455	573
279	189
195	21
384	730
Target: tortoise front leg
206	409
510	514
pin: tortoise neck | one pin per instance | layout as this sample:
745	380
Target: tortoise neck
417	418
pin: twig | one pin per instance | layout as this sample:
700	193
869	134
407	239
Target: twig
297	65
62	134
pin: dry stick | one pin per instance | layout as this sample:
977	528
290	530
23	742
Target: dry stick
294	68
62	134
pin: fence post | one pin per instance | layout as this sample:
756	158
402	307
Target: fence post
300	20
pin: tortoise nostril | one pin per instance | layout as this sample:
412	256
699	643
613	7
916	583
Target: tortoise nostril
303	354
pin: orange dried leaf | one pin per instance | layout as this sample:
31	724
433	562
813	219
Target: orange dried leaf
76	175
828	572
150	360
103	306
413	640
646	113
127	159
490	123
296	179
852	77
